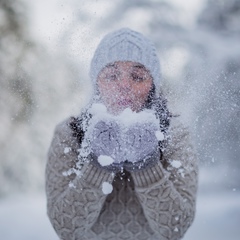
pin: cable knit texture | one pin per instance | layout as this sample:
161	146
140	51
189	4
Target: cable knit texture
154	203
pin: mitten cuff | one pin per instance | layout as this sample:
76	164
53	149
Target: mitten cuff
148	176
95	176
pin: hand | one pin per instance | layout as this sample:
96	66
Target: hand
105	139
117	144
139	141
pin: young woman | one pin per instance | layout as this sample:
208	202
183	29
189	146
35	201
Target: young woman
125	167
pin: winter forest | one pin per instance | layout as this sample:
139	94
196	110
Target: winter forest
45	52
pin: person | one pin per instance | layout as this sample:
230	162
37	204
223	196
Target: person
125	168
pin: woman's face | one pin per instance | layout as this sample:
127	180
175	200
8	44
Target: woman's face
124	84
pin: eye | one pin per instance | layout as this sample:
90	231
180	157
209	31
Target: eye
137	77
111	77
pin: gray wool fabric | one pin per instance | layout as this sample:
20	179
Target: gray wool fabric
126	45
155	203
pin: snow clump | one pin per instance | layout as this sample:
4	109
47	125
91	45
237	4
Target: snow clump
71	185
159	135
107	188
125	119
105	160
67	150
176	163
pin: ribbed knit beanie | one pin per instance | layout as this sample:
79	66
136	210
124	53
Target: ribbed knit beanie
126	45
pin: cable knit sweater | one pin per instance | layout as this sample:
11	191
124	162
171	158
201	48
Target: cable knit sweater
153	203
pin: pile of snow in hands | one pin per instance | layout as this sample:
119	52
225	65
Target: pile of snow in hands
130	125
126	121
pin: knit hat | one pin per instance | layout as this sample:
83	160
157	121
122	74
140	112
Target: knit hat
126	45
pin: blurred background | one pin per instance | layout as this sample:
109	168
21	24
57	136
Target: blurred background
45	51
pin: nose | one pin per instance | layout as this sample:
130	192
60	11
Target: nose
124	83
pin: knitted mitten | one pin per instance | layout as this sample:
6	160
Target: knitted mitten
139	141
141	146
105	139
114	146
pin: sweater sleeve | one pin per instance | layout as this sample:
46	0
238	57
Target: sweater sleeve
73	202
167	192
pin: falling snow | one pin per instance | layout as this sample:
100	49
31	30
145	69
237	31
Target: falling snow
218	94
67	150
176	163
71	185
107	188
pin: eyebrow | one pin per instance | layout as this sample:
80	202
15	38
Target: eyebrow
139	66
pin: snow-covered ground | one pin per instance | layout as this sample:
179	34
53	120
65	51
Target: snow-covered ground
23	217
217	218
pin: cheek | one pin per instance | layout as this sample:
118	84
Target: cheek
107	91
142	91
